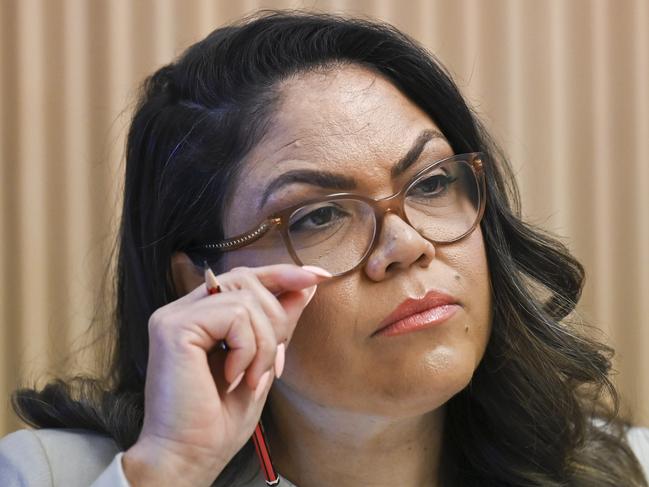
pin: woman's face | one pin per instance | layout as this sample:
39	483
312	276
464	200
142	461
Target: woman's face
354	123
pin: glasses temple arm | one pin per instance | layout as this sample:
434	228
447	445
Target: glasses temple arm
242	239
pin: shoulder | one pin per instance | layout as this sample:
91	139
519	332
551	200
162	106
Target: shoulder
638	438
54	457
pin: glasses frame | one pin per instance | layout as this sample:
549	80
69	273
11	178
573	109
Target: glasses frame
390	204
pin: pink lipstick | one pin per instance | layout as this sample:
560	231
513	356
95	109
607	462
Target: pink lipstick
416	314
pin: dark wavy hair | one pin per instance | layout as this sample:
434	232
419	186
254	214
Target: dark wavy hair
540	409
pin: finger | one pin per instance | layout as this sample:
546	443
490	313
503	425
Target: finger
265	339
247	279
279	278
229	319
243	305
195	294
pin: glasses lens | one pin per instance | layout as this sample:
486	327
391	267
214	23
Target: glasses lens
443	203
334	234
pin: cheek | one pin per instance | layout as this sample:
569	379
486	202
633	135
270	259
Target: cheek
468	260
252	256
472	275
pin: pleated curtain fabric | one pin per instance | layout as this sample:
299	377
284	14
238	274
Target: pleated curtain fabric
563	85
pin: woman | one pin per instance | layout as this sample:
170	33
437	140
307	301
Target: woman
434	351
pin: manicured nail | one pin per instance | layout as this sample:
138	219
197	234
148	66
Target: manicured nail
235	383
317	271
280	357
308	300
262	385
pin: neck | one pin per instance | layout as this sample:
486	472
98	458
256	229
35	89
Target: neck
317	446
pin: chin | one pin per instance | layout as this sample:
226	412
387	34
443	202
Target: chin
426	388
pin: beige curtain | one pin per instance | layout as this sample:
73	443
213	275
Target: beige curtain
563	85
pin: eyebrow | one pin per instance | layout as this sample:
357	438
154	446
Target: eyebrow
326	179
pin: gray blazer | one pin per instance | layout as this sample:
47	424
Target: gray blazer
78	458
73	458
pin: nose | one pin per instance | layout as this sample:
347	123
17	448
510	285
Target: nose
399	247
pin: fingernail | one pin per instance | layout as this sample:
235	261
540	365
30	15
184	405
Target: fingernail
308	300
317	271
235	383
279	360
262	385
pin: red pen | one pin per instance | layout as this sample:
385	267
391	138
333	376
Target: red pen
258	437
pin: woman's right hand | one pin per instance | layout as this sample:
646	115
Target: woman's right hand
192	425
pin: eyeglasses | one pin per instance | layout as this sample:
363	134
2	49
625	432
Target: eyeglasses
444	202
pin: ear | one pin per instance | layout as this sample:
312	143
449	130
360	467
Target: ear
186	275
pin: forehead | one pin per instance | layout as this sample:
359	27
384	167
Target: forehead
348	119
343	113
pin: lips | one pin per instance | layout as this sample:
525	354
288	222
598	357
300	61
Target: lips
409	307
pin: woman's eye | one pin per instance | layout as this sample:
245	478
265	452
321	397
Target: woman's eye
319	218
433	186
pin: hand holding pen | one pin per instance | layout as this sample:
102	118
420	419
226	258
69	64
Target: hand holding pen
202	404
